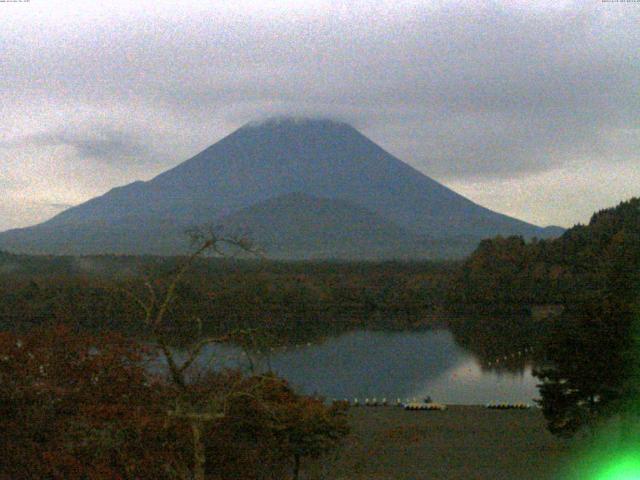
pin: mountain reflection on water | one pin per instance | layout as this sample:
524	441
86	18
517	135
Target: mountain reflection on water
391	364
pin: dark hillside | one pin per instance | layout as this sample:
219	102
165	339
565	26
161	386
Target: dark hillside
509	273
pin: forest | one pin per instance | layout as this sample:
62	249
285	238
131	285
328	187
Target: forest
588	361
96	292
78	401
509	274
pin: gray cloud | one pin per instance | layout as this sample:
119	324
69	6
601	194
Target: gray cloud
59	206
465	91
100	143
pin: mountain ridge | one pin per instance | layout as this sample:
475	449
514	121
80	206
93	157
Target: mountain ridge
264	160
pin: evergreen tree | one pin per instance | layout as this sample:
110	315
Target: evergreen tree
591	371
588	374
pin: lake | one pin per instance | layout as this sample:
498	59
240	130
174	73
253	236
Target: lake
365	364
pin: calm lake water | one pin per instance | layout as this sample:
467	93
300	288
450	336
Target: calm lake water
366	364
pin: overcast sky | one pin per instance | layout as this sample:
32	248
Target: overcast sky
533	111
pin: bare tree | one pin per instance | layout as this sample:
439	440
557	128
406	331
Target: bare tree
188	407
304	425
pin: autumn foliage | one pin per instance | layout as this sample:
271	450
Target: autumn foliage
76	406
81	406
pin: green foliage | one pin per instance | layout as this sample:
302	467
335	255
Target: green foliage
591	373
507	274
587	368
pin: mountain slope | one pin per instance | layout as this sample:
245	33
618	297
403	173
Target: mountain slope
299	226
256	163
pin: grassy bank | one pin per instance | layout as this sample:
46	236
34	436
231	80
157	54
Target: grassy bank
463	442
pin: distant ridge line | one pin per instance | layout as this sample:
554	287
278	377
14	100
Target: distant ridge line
372	205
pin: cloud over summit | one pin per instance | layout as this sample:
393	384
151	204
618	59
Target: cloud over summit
471	93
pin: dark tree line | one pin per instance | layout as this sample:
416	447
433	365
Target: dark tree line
289	298
507	274
589	368
593	363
